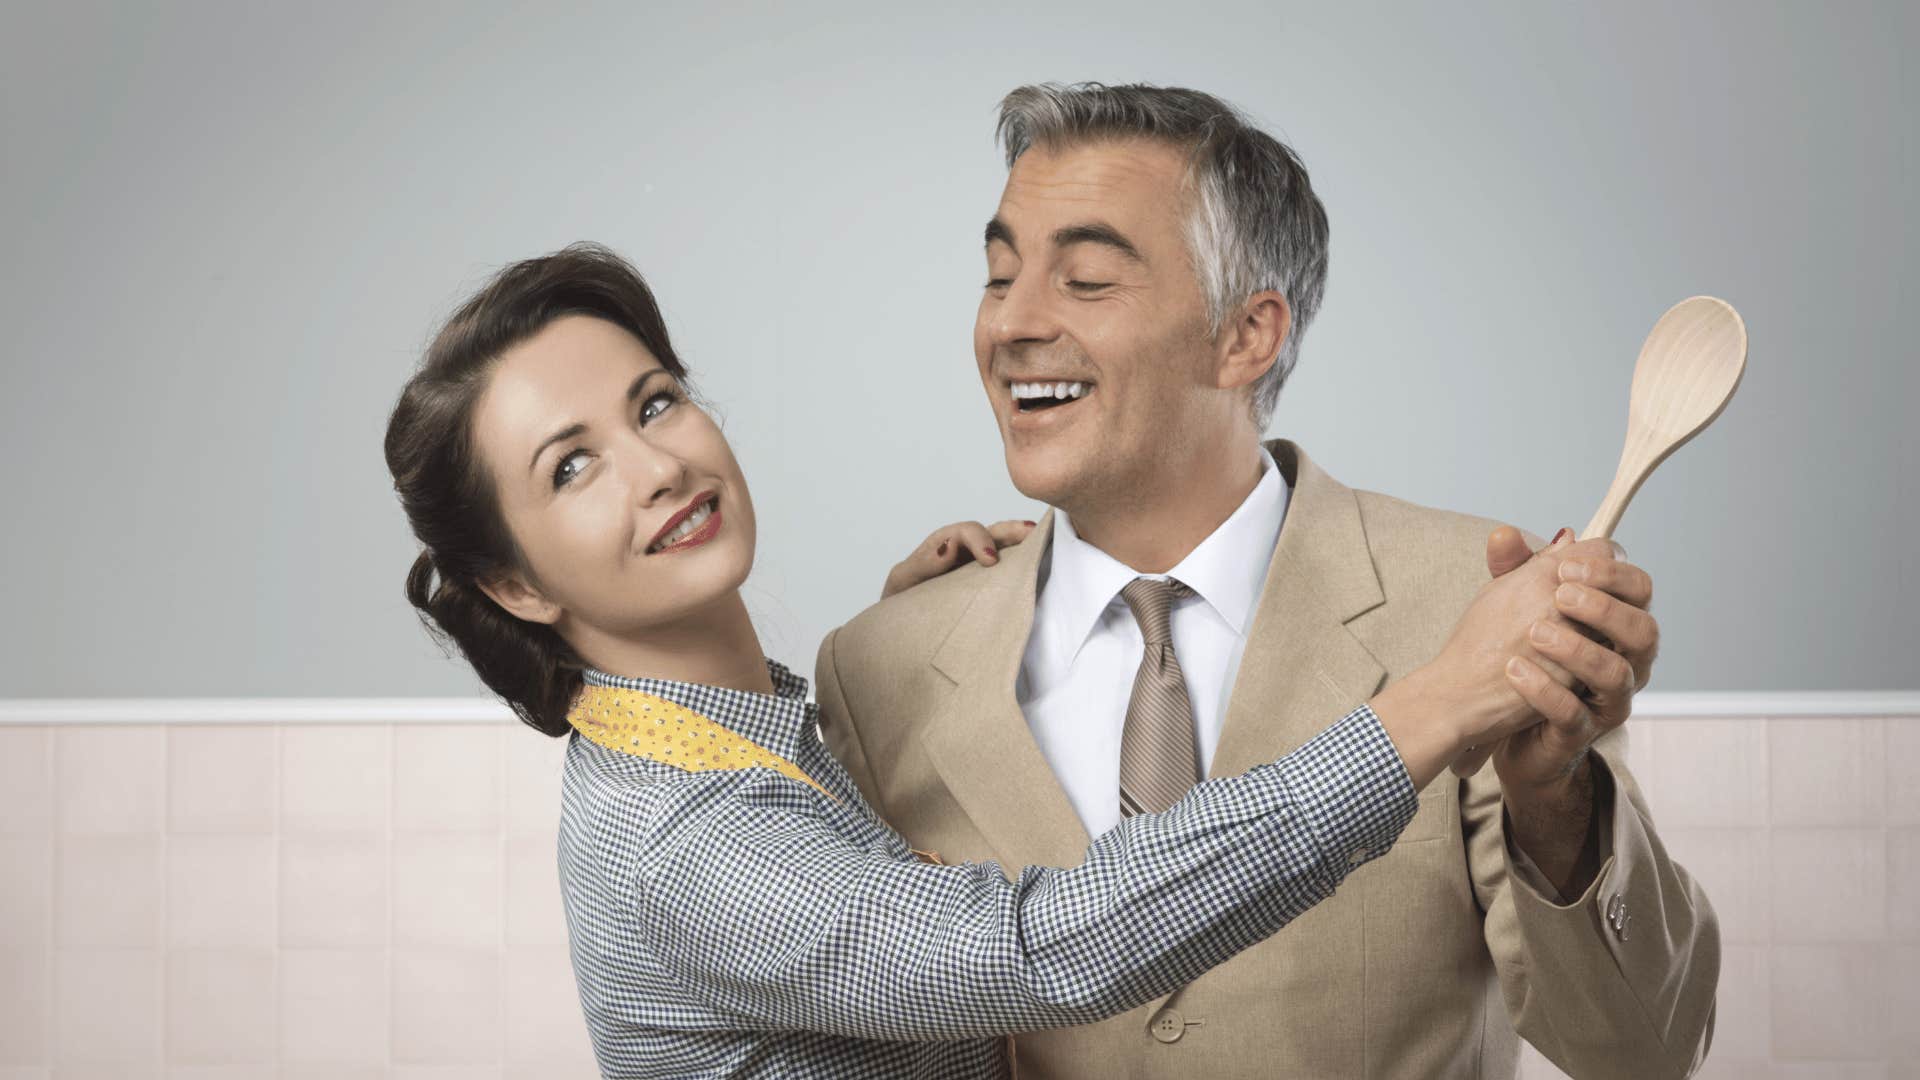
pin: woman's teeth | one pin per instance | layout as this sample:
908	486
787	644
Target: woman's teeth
685	528
1041	395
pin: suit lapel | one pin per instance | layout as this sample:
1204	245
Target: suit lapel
1302	668
980	741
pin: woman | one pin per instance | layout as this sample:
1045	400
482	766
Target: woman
734	907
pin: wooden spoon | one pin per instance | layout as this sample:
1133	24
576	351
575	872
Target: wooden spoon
1688	370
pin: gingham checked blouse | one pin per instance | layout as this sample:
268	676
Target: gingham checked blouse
741	924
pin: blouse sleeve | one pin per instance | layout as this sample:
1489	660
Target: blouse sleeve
750	898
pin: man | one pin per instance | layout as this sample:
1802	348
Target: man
1152	264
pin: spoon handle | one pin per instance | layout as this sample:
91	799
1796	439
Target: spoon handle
1636	464
1607	518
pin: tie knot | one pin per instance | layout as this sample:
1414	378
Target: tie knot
1152	602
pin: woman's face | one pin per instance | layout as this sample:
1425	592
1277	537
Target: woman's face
623	496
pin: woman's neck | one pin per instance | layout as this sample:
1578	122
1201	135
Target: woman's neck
716	646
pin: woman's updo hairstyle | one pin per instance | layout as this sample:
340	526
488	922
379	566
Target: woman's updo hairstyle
444	486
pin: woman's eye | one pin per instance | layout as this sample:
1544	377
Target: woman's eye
1087	286
656	405
563	475
999	282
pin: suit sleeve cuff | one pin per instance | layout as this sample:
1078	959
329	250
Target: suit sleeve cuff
1535	895
1523	870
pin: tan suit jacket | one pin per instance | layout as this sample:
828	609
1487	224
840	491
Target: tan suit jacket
1426	960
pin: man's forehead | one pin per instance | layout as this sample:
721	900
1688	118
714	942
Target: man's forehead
1114	179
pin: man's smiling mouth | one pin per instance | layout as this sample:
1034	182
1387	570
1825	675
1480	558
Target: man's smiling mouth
1037	396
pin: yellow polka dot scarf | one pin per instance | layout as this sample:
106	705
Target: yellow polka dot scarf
646	726
638	723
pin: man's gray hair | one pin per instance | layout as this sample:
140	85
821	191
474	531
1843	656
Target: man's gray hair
1254	222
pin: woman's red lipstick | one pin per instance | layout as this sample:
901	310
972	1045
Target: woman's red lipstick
708	529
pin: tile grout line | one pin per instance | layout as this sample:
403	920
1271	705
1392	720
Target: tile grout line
166	904
1885	853
500	809
392	767
49	761
1766	817
275	970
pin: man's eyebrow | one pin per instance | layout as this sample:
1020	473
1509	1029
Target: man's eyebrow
997	230
576	428
1098	232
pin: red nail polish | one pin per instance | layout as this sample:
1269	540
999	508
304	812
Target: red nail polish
991	553
1561	533
1029	523
942	550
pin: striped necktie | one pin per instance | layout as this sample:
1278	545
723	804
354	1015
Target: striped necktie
1158	759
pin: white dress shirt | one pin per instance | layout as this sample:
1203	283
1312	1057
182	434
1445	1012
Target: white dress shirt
1077	674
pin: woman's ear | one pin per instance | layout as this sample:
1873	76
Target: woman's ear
521	600
1252	343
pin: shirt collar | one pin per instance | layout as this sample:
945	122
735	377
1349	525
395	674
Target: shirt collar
773	721
1227	570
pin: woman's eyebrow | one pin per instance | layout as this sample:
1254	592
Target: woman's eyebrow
633	391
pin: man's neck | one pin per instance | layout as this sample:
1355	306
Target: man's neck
1160	523
716	647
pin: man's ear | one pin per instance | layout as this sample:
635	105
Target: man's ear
521	600
1252	343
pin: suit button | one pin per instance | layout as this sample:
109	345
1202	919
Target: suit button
1168	1026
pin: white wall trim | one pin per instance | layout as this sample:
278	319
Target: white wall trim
461	710
480	710
1795	703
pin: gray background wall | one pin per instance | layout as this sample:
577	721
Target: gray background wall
229	228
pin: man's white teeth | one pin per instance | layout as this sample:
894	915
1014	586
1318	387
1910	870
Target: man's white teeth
685	528
1065	391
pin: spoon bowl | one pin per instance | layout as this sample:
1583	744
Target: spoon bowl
1688	370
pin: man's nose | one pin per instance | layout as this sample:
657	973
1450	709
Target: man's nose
1024	314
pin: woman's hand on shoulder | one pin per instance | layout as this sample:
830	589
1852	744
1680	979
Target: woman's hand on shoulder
951	545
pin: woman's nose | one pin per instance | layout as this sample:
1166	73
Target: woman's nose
653	472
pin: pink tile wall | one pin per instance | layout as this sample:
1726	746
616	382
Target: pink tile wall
1805	833
347	901
297	902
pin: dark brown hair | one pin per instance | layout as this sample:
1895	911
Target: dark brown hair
444	486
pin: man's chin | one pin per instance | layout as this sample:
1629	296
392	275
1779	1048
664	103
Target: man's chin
1044	476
